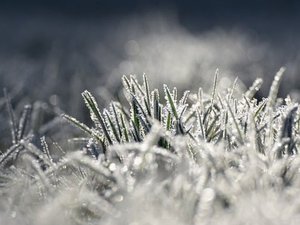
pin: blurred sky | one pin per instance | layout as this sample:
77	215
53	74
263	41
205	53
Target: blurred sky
98	7
268	19
212	11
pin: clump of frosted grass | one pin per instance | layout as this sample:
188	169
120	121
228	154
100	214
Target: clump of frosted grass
161	158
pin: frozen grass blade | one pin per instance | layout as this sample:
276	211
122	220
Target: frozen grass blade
169	121
275	88
214	87
126	83
140	109
233	88
147	101
260	108
8	154
45	149
254	88
134	83
78	124
117	119
184	98
125	130
170	101
95	114
134	114
201	125
13	123
287	129
156	105
236	123
82	127
112	125
24	121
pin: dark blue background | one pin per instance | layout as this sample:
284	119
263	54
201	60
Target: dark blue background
186	8
260	15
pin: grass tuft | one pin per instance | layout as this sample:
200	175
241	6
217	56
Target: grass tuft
205	159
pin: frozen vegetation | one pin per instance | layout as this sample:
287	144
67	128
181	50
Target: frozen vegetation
157	157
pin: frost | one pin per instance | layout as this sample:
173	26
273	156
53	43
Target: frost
205	159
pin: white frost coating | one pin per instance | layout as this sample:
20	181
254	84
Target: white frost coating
231	176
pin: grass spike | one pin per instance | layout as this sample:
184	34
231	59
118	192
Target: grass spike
156	105
168	121
184	98
254	88
12	119
124	128
24	121
147	90
235	122
45	148
137	85
233	88
275	88
95	114
112	125
214	87
82	127
116	119
201	125
126	83
170	101
200	99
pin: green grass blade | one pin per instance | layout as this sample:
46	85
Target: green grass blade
95	114
170	101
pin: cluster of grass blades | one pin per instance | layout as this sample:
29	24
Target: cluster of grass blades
214	118
18	131
196	159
